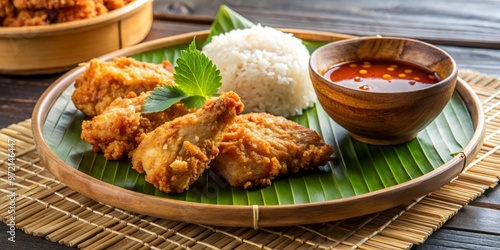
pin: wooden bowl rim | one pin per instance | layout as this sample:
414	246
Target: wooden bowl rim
315	71
245	215
73	26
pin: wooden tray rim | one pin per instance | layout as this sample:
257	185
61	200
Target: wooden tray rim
248	215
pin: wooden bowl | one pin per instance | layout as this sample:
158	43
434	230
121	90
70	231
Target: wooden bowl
383	118
62	46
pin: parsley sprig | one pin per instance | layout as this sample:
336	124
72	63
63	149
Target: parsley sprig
197	79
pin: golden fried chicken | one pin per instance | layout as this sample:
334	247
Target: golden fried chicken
28	18
175	154
86	9
17	13
57	4
51	4
115	4
257	147
104	81
44	4
121	126
6	8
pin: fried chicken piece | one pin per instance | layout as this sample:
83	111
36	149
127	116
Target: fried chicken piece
29	18
102	82
257	147
16	13
56	4
175	154
121	126
47	4
115	4
88	9
6	8
84	10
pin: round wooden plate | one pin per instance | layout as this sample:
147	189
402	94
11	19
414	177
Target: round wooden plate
247	215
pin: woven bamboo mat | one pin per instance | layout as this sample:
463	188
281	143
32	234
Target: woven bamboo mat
47	208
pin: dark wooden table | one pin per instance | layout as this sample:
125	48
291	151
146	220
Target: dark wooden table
468	30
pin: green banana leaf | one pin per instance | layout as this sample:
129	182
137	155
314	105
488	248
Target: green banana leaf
227	20
357	168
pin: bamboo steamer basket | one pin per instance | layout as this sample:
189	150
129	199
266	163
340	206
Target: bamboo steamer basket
59	47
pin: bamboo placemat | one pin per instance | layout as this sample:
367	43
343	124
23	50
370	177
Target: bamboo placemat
47	208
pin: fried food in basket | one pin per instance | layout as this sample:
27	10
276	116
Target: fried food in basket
46	4
6	8
103	81
174	155
18	13
57	4
87	9
29	18
115	4
121	126
258	147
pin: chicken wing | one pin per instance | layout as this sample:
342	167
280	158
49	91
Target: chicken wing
102	82
175	154
257	147
121	126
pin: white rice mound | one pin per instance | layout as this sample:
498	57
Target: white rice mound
267	68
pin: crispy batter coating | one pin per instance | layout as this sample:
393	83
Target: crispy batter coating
257	147
45	4
6	8
115	4
121	126
175	154
30	18
17	13
56	4
85	10
103	82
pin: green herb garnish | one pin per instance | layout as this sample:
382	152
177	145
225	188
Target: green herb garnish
197	79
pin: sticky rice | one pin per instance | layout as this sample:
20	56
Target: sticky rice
266	67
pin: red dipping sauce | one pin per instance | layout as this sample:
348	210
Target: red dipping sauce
382	75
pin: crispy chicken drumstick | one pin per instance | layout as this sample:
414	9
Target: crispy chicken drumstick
175	154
